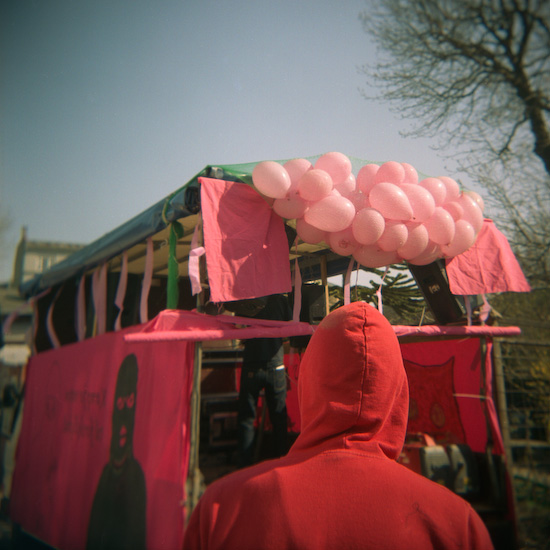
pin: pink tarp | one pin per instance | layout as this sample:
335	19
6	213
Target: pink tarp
245	243
105	442
488	266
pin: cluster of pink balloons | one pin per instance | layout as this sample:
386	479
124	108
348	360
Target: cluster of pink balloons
384	215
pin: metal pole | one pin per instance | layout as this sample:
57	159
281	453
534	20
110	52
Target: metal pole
194	476
500	387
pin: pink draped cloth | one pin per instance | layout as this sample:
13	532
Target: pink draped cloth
488	266
245	242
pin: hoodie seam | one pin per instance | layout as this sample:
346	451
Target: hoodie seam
365	366
363	375
355	452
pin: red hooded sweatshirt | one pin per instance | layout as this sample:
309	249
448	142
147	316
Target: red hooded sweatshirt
340	486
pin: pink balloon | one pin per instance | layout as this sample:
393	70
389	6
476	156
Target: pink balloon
342	242
452	188
477	199
271	179
436	187
372	256
314	185
417	242
331	213
411	175
337	165
392	172
368	226
308	233
421	200
391	201
358	199
296	168
454	209
472	212
464	238
348	186
430	254
441	226
365	177
394	236
291	207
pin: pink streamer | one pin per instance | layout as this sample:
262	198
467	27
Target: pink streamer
146	286
99	289
81	310
8	321
485	309
49	323
121	289
195	253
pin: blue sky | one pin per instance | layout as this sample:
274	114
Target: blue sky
107	106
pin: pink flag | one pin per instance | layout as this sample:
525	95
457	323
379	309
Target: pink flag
245	242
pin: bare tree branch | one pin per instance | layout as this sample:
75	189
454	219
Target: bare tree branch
475	75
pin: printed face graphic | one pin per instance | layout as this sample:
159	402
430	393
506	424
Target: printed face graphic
124	411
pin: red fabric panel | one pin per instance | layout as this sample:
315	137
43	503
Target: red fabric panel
432	407
245	241
488	266
465	358
73	405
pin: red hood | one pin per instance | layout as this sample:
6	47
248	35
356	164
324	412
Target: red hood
352	388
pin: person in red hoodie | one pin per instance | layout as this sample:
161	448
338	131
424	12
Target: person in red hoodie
340	487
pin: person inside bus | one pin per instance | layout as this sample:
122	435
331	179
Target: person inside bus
263	369
340	485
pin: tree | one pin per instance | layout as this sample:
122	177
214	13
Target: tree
4	226
475	75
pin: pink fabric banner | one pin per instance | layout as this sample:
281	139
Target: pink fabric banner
103	451
247	254
488	266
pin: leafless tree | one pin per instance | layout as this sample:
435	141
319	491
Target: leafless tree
4	226
475	75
